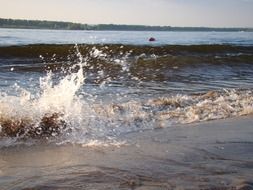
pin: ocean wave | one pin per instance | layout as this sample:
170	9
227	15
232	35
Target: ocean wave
145	63
63	51
57	112
104	120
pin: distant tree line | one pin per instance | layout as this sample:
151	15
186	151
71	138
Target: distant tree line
37	24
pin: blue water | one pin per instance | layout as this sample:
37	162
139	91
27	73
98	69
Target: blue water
31	36
126	91
77	94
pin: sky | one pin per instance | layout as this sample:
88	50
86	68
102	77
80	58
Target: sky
210	13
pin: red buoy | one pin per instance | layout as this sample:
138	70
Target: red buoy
152	39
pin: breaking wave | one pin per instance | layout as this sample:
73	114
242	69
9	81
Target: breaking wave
58	112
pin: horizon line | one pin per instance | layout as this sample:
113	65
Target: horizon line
215	27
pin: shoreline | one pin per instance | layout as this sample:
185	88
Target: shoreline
209	155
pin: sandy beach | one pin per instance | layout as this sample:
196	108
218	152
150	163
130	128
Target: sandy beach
209	155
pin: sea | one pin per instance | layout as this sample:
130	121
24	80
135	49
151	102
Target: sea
114	110
81	86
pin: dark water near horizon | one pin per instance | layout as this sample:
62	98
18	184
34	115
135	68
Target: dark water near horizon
80	109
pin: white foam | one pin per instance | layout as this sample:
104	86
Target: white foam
91	122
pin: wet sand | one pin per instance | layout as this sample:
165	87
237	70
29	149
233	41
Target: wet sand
212	155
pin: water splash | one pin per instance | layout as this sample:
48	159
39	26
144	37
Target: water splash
55	105
61	111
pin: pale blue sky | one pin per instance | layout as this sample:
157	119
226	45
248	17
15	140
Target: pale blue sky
213	13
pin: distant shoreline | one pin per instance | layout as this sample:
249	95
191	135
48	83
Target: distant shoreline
56	25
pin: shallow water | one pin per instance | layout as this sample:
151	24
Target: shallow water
64	101
213	155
